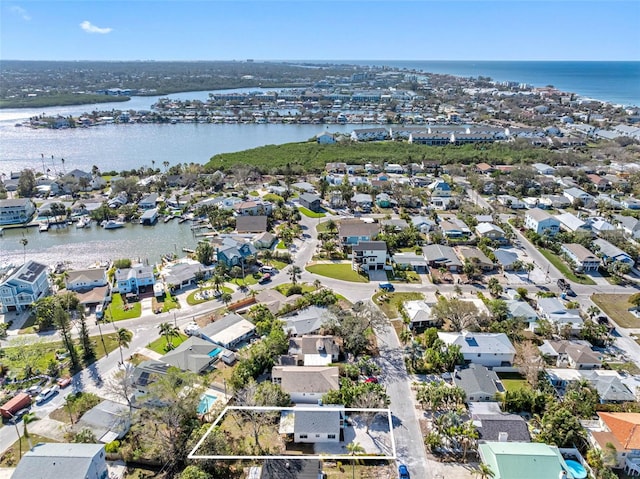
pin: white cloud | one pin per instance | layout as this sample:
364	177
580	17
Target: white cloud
21	12
88	27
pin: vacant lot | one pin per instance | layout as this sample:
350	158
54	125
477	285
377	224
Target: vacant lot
616	306
343	272
513	381
390	302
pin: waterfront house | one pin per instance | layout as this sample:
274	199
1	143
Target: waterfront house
148	201
325	139
85	279
229	332
234	252
16	211
306	384
135	279
486	349
581	258
183	274
63	460
541	222
24	286
311	202
149	217
253	208
251	224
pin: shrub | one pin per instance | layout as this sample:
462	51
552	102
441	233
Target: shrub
112	447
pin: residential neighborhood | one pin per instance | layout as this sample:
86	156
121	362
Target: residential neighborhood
451	318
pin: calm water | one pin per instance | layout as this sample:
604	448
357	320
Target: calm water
82	247
615	82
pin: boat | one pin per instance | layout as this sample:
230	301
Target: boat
43	227
112	224
83	222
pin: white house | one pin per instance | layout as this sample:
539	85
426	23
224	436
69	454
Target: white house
543	169
24	286
86	279
368	255
571	223
554	311
228	332
541	222
486	349
312	424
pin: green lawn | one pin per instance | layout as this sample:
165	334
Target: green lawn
283	288
160	344
40	354
616	306
192	301
117	310
248	280
342	272
564	268
513	381
310	214
281	245
279	265
390	302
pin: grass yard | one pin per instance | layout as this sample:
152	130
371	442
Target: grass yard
167	304
390	303
310	214
343	272
40	354
160	344
283	288
29	326
513	381
11	456
616	307
404	277
117	310
279	265
281	245
192	301
248	280
555	260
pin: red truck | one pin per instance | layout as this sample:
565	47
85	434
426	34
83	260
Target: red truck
12	406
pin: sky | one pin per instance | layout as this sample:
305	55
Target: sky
320	30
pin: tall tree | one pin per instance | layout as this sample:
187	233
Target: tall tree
88	351
295	273
530	362
354	448
124	337
62	322
28	419
169	331
26	184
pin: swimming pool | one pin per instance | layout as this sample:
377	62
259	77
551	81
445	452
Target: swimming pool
576	469
207	400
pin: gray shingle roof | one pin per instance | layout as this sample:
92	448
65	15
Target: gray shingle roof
58	460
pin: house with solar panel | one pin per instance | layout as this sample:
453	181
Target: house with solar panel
24	286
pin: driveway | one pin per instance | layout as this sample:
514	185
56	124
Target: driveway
378	275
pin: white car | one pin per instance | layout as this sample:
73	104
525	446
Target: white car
46	394
191	328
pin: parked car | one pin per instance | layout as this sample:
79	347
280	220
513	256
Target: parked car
46	394
403	472
63	382
18	415
265	279
371	379
387	287
34	390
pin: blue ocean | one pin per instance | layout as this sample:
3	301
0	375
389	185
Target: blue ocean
614	82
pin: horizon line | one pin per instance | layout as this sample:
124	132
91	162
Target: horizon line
347	61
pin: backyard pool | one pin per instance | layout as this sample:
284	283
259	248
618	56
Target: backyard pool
576	469
207	400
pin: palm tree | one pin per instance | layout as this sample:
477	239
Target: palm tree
124	337
166	165
267	256
168	331
528	267
24	242
226	298
218	281
331	226
28	419
354	448
317	284
295	273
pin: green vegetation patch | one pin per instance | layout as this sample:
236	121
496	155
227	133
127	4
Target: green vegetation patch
513	381
616	306
160	344
118	310
192	300
312	157
310	214
564	268
342	272
390	303
283	288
